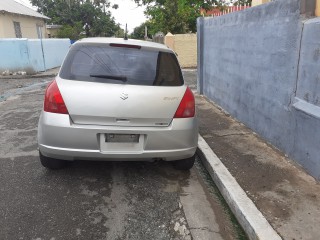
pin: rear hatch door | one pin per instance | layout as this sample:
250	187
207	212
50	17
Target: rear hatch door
120	85
114	104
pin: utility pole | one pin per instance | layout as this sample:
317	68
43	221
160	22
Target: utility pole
41	44
145	32
126	33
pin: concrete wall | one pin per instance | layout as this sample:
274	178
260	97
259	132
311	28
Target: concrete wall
55	50
259	2
14	55
307	100
185	45
250	64
28	25
26	54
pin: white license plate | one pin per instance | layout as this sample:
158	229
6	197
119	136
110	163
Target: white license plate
122	138
121	143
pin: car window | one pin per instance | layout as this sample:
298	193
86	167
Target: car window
119	65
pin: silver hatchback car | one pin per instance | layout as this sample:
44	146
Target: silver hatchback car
117	99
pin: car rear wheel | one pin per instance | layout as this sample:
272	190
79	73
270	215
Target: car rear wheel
185	164
52	163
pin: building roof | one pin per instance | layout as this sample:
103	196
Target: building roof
53	26
11	6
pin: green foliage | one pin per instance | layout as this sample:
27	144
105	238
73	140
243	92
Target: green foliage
197	4
68	31
176	16
74	14
119	33
139	32
242	2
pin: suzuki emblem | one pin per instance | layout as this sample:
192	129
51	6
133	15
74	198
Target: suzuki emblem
124	96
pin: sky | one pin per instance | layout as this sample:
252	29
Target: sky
128	12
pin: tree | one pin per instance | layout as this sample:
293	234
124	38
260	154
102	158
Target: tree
195	4
171	16
68	31
242	3
139	32
74	13
176	16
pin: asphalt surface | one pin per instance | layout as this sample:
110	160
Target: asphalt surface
97	200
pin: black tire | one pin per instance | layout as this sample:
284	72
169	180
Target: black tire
51	163
184	164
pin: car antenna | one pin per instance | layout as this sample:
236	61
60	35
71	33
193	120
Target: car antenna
126	33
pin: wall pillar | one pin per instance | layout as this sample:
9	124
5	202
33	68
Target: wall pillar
169	40
200	53
258	2
317	13
308	7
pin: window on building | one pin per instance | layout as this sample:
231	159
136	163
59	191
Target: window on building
39	31
17	29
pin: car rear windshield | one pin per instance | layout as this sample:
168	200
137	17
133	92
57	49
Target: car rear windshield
121	65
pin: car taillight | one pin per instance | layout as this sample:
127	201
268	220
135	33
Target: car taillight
186	108
53	101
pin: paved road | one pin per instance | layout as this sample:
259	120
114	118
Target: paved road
96	200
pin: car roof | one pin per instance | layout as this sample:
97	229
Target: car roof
143	44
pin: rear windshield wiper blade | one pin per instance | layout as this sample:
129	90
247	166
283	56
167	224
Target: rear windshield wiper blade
114	77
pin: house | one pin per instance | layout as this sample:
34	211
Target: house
52	30
19	21
258	2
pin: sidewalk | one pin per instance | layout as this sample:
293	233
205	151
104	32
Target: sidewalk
286	196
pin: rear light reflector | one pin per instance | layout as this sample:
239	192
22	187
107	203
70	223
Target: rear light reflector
53	101
186	108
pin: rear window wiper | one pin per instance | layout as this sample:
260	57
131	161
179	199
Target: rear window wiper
114	77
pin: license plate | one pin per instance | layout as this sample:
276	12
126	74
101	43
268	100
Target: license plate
122	138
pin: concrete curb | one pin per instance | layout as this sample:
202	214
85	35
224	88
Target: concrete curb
48	73
250	218
29	76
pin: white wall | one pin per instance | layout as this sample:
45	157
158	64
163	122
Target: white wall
26	54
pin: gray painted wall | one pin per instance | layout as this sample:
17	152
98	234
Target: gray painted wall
306	149
250	64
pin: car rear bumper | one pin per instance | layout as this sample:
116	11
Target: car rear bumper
59	138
